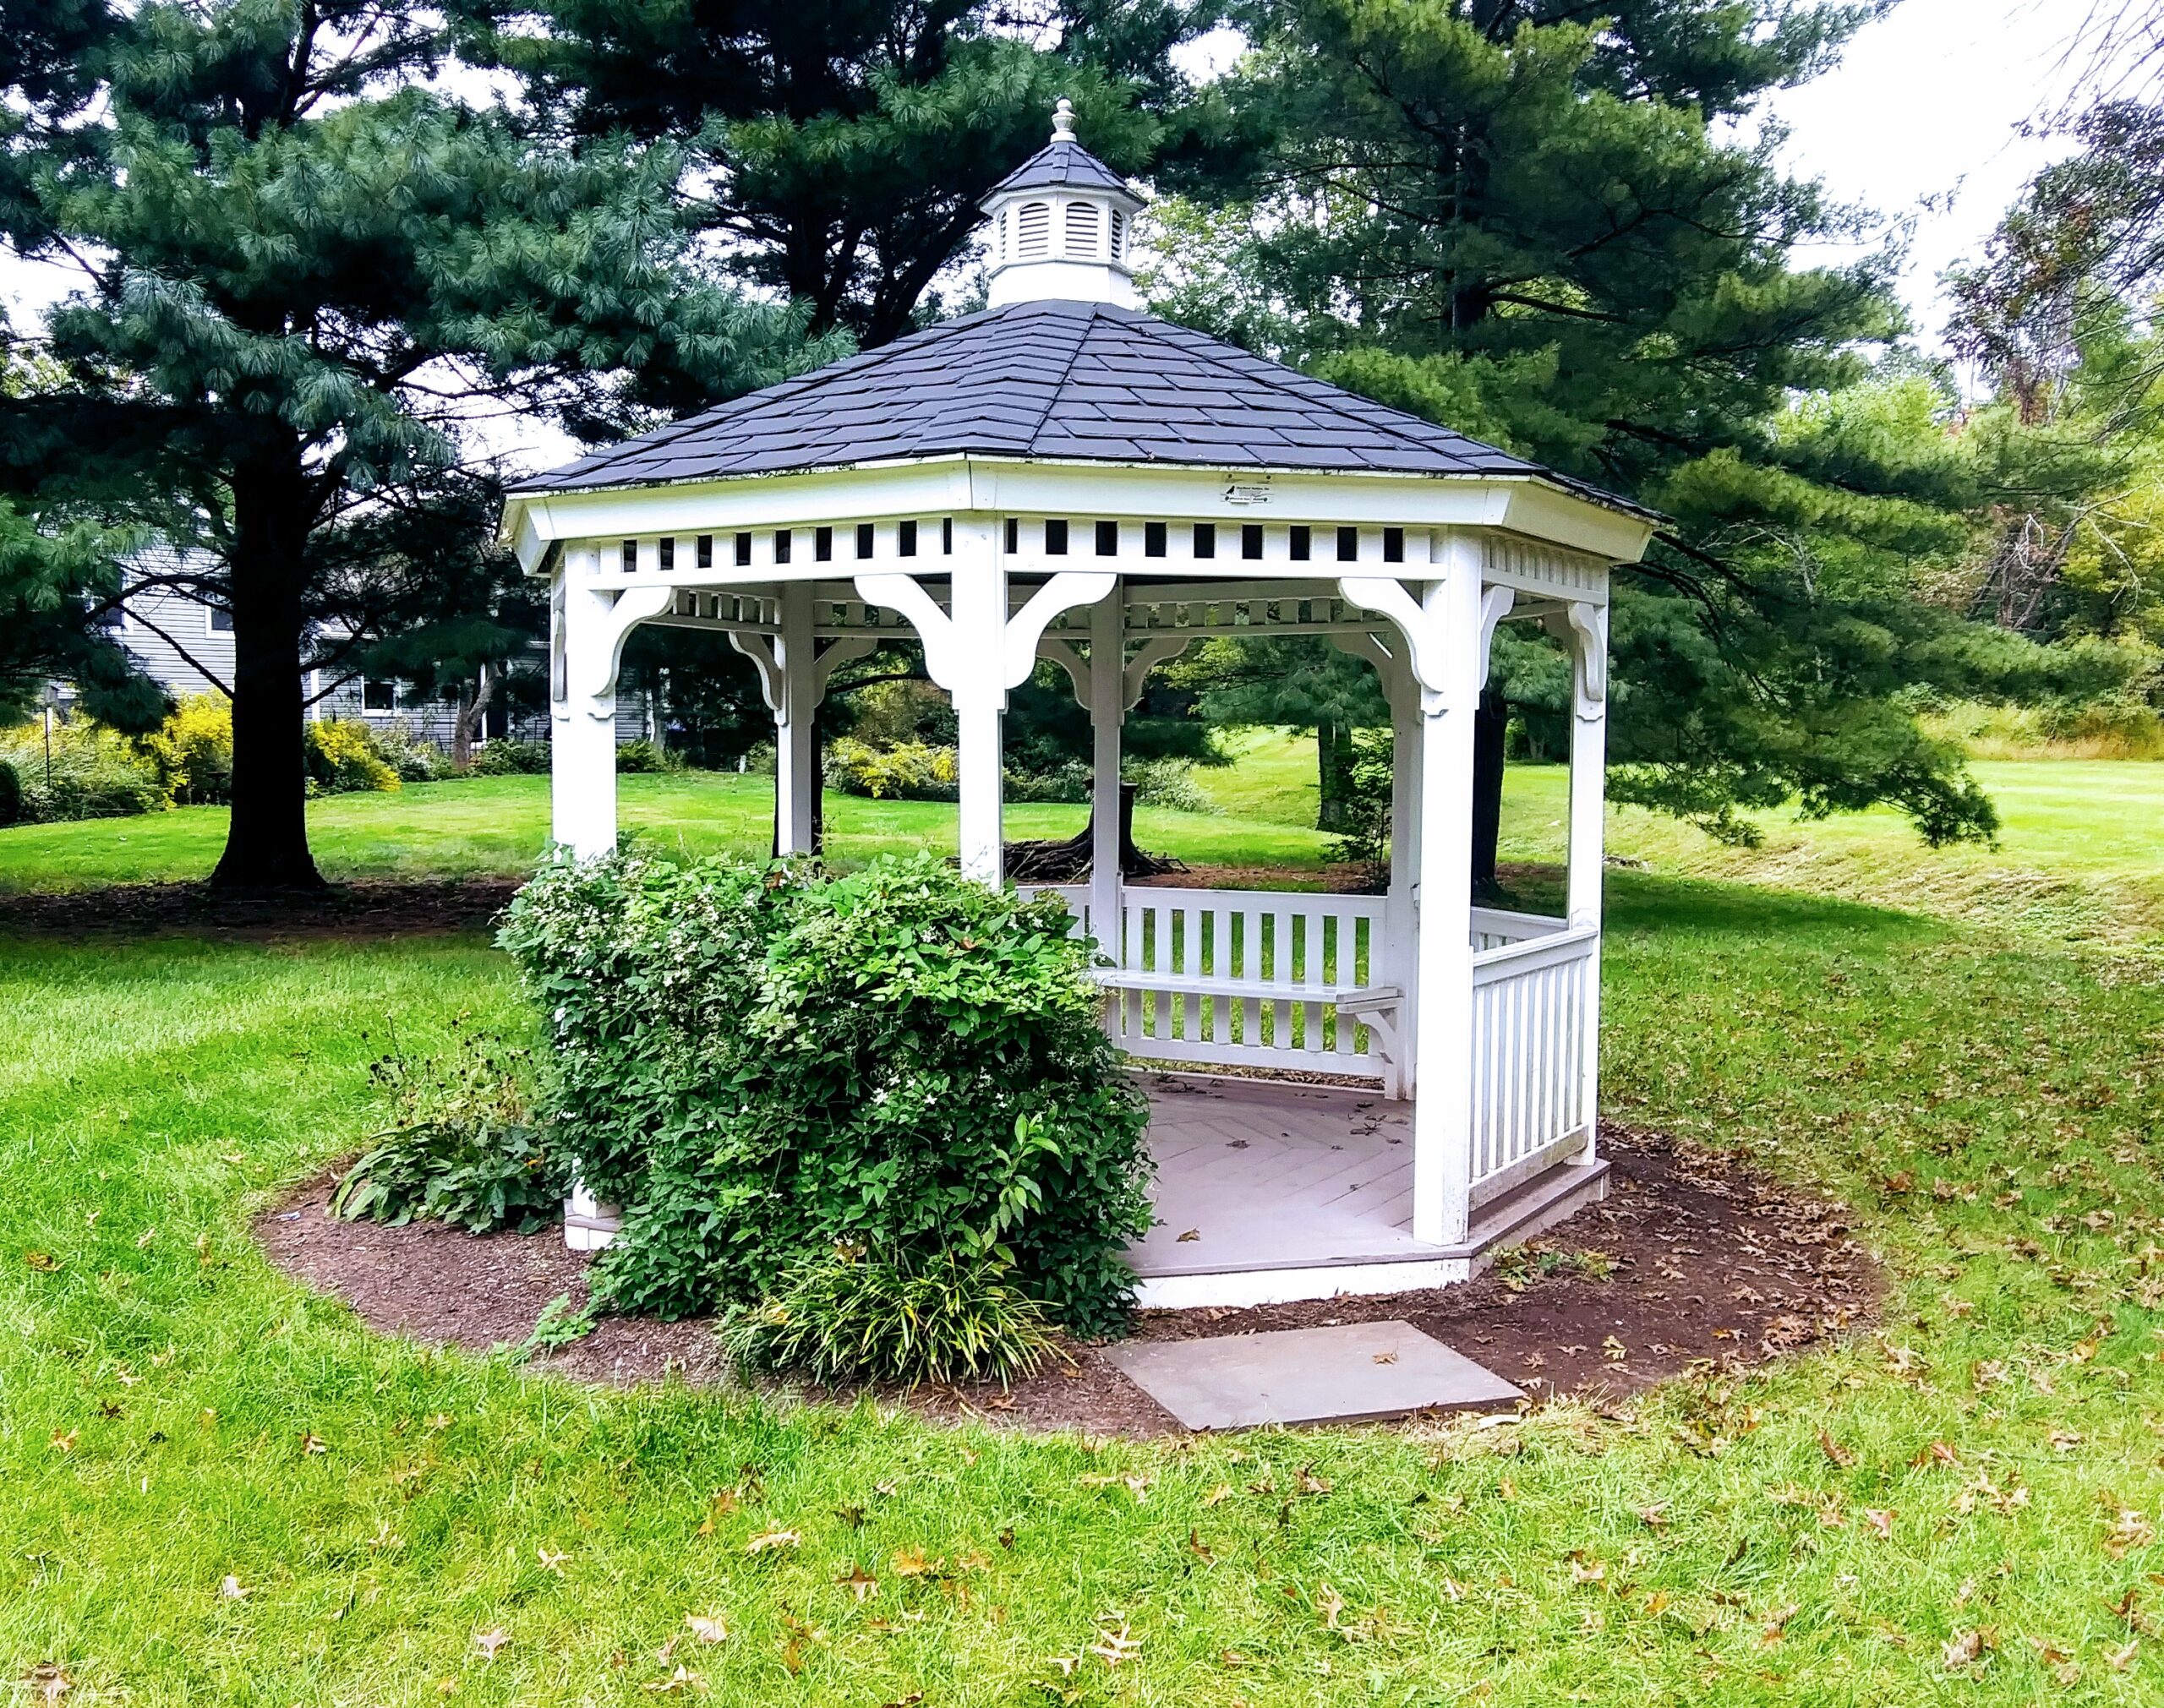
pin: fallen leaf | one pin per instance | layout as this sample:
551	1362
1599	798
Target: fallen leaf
1966	1648
551	1560
911	1563
312	1443
1385	1357
1189	1237
2120	1658
768	1539
231	1589
488	1642
1841	1455
1881	1520
48	1681
65	1441
43	1262
706	1627
861	1584
678	1681
1222	1492
1200	1549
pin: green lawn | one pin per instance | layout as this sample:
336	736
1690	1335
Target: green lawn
499	825
1982	1473
176	1413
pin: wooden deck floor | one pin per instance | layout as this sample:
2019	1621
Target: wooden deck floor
1265	1174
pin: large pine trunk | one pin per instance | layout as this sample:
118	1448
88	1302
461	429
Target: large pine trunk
1491	722
266	848
1333	773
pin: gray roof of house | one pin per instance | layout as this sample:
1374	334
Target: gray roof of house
1061	163
1058	379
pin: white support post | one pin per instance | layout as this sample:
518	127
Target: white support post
1401	906
1443	631
977	618
797	694
1584	628
1107	712
588	621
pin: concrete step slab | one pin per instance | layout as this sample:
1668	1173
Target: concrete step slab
1350	1373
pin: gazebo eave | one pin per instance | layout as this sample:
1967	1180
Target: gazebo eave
1531	507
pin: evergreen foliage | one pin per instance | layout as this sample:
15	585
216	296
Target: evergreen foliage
301	258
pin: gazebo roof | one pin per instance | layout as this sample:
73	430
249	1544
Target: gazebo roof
1056	379
1061	163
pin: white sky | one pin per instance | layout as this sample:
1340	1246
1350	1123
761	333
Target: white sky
1920	122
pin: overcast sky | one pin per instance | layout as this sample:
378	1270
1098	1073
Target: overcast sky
1921	123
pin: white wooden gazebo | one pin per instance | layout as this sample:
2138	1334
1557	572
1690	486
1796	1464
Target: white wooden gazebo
1064	476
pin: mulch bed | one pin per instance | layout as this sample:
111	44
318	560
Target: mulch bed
353	910
1707	1261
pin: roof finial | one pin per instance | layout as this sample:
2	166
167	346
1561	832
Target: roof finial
1062	121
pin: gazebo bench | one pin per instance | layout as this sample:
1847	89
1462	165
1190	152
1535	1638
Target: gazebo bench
1374	1005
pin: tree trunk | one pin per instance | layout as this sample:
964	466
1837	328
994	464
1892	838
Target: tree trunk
1333	773
1063	862
266	847
467	722
1491	722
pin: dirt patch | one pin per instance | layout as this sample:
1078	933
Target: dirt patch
1692	1257
353	911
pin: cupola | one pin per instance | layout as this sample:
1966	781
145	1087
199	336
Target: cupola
1062	225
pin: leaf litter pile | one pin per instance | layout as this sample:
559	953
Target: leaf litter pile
1694	1262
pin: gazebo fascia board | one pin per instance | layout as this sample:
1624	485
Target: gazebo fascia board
1535	508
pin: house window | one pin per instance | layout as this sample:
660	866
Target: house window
823	544
706	551
379	697
1056	539
221	620
667	552
1033	231
1108	539
1206	539
1082	229
947	535
743	550
630	557
1251	540
113	619
905	539
1348	545
1298	542
1153	540
1013	534
1393	545
781	545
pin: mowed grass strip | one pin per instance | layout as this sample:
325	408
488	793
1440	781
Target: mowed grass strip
1962	1505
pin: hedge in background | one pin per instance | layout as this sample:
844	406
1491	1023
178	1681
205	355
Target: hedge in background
761	1065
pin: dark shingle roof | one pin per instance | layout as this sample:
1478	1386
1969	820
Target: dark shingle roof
1046	379
1061	163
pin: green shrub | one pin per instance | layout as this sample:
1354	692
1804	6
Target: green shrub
507	758
910	771
1067	781
759	1065
193	752
641	757
11	794
462	1148
415	758
342	759
841	1315
87	771
1166	782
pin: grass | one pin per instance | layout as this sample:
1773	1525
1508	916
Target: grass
497	825
1961	1506
179	1414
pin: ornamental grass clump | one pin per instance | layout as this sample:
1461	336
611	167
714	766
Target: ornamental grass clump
763	1066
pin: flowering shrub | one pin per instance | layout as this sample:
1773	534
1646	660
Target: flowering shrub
759	1066
84	770
342	759
193	752
911	770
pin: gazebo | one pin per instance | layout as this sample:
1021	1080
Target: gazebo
1064	477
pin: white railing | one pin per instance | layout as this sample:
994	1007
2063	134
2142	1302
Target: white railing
1533	1018
1251	977
1498	927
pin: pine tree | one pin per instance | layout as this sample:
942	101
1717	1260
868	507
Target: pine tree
1524	218
844	148
301	266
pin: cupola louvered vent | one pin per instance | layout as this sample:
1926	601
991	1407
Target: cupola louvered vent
1033	231
1119	235
1082	231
